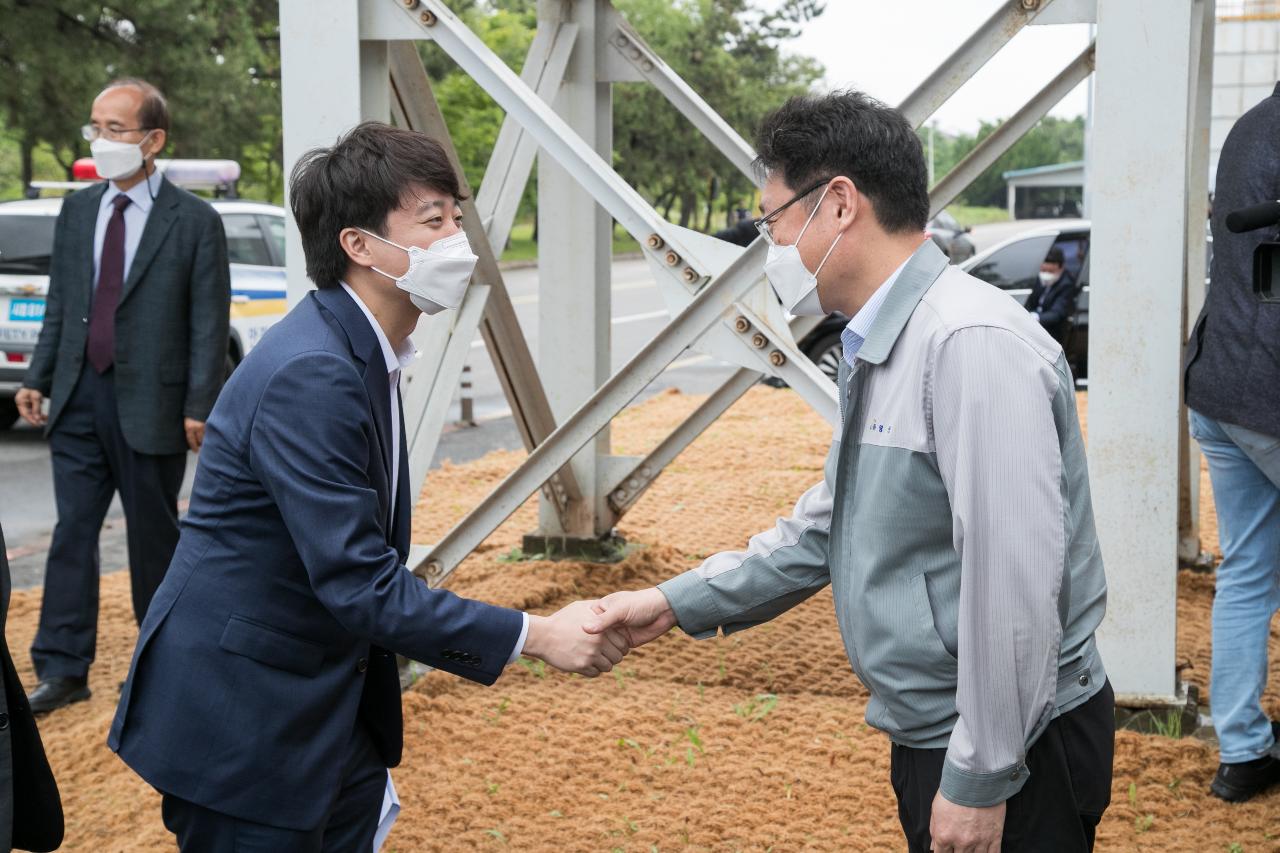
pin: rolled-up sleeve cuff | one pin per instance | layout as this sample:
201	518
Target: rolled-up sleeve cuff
981	790
693	603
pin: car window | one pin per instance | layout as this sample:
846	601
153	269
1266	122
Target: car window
245	241
26	242
1075	254
275	234
1016	265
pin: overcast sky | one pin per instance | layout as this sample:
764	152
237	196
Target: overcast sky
886	47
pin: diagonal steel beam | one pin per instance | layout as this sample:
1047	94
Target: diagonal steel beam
636	216
989	150
557	138
917	107
964	62
648	66
415	100
706	309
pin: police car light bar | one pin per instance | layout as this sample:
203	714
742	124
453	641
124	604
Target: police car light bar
190	174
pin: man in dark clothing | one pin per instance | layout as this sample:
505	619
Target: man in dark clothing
1232	384
30	808
131	357
1053	298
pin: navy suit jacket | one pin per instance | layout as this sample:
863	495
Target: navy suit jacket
273	631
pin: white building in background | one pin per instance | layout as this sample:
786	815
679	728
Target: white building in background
1043	192
1246	65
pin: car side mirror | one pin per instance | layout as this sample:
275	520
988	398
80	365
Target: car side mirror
967	229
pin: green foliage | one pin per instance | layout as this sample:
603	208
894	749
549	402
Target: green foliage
1170	726
731	53
1052	141
537	668
757	707
217	61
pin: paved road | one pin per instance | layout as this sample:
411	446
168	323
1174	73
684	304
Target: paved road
26	486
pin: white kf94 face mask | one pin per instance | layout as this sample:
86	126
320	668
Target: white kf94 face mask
115	160
438	276
791	279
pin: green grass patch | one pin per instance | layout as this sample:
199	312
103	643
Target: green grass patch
966	215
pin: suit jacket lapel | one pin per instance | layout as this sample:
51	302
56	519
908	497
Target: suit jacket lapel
404	498
367	350
85	230
163	214
375	379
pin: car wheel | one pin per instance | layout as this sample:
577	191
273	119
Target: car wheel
8	413
827	352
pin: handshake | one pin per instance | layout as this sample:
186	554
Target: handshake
591	637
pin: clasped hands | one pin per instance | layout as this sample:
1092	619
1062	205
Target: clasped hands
591	637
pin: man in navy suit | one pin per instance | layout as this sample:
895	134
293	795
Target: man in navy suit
263	700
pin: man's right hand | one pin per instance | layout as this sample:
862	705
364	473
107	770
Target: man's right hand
560	640
641	616
29	402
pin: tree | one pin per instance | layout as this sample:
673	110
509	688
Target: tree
217	61
730	52
1052	141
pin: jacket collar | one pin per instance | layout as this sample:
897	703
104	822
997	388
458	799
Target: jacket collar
921	271
366	349
360	335
162	216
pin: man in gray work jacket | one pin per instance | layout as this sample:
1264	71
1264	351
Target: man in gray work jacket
953	523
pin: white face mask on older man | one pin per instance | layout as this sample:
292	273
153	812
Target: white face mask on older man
116	160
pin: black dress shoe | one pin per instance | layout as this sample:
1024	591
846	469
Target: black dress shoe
54	693
1244	780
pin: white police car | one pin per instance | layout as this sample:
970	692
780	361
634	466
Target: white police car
255	247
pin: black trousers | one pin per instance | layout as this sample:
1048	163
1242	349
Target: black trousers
1059	807
91	461
349	826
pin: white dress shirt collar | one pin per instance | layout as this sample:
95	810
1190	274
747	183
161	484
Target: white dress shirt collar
855	333
397	358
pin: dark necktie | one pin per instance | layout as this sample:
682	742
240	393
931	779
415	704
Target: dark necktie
102	317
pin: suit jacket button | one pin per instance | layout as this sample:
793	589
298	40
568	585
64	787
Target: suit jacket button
362	664
4	722
84	320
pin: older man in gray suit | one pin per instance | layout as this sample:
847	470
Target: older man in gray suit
132	356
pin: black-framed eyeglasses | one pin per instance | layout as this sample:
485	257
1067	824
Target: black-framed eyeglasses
765	223
90	132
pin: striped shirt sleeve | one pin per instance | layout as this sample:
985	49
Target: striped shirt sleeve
990	395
